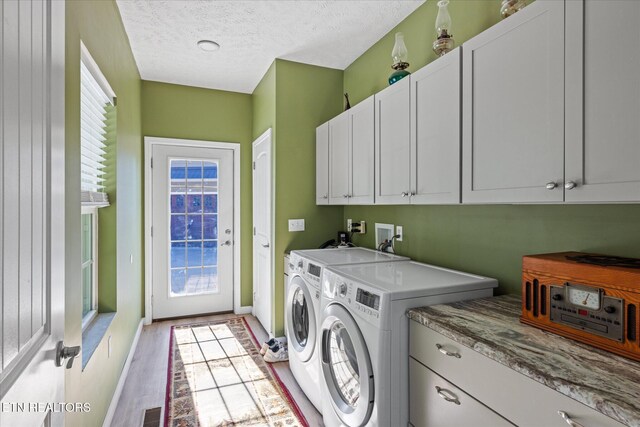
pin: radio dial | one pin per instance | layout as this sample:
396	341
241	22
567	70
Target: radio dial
610	309
557	297
343	289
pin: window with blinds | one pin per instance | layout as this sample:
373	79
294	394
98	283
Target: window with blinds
94	106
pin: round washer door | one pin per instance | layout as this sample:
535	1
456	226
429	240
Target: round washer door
301	318
346	367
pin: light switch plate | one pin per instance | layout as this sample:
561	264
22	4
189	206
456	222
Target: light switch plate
296	225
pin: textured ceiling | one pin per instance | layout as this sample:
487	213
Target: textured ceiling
163	36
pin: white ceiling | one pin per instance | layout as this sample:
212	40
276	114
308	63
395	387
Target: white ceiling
163	36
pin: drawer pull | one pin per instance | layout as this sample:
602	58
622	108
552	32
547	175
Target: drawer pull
568	419
447	353
447	395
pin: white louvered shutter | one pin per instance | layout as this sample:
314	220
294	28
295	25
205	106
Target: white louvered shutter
93	108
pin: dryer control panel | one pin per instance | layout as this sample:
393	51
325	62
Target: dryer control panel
360	299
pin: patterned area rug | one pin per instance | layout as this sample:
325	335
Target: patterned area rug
216	377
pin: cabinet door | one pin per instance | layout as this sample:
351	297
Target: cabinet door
435	402
392	135
339	159
513	108
435	131
603	101
322	164
361	150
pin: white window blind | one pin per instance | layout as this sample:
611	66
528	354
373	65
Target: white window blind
93	109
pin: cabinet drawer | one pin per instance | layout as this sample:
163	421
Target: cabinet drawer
429	407
516	397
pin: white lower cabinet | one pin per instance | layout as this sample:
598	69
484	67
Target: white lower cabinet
486	386
436	402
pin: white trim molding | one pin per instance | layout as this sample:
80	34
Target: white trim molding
149	142
123	377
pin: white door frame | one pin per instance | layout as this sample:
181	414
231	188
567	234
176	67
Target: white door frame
149	142
268	134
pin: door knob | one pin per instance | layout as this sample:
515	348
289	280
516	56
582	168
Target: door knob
226	243
570	185
63	352
551	185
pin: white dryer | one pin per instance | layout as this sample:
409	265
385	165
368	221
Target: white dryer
363	339
302	308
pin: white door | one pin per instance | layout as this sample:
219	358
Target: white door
393	142
263	232
192	230
513	108
435	131
361	152
602	102
32	210
322	164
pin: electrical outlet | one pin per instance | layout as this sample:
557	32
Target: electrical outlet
362	227
399	233
296	225
349	221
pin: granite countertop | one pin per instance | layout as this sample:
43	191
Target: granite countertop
601	380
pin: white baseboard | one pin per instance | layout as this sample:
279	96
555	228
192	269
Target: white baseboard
245	309
123	377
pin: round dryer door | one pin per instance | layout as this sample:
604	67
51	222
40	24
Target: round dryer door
301	318
346	367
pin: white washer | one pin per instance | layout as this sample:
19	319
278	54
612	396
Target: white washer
363	339
302	308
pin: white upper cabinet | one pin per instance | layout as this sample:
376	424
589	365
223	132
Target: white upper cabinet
350	141
322	164
339	159
513	108
393	144
361	152
435	132
603	101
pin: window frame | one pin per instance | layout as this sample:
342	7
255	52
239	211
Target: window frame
91	315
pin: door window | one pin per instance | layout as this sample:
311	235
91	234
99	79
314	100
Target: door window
300	316
193	227
343	364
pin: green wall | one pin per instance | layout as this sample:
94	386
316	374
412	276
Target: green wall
306	96
174	111
293	99
488	240
99	26
263	104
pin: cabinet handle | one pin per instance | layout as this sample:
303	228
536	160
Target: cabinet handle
447	353
570	185
325	197
568	419
345	195
404	194
551	185
447	395
412	194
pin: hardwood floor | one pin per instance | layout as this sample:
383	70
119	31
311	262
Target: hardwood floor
146	382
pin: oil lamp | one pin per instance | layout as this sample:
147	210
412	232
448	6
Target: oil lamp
400	56
444	42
